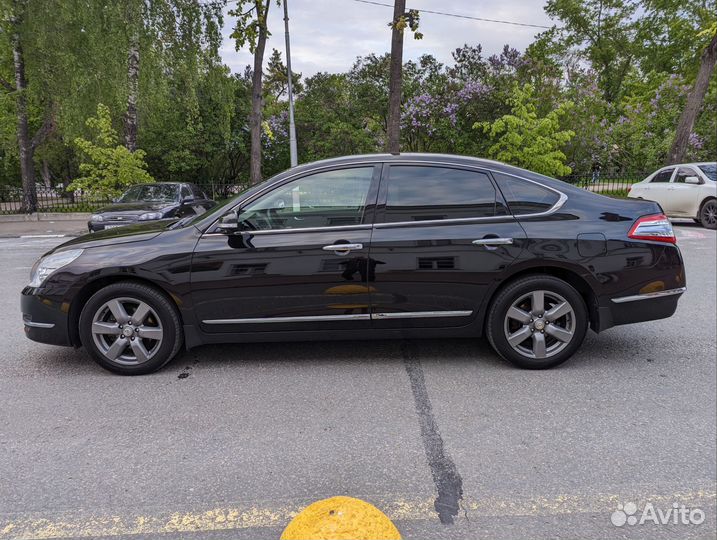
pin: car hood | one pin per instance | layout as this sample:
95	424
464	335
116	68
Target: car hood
138	207
119	235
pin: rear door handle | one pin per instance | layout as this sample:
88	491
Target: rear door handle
343	249
493	241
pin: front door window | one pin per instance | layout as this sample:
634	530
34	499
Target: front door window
326	199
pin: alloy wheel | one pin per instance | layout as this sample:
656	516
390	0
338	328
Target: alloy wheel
539	324
127	331
709	214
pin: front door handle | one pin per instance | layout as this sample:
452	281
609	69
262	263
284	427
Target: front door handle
342	249
493	241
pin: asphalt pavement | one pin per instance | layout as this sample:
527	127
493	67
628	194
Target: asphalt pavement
442	435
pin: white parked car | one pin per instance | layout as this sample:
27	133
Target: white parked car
688	190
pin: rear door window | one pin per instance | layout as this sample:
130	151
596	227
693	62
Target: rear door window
424	193
662	176
684	172
524	197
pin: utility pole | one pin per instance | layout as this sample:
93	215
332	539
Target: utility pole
292	127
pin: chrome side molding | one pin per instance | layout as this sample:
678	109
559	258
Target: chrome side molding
648	296
420	314
349	317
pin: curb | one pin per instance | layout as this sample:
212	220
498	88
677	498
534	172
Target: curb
46	216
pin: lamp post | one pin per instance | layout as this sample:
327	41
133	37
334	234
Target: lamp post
292	127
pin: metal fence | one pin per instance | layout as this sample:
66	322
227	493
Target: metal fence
57	199
613	185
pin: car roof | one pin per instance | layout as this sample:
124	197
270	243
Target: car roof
692	164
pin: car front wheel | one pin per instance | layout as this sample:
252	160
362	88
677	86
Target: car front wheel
537	322
130	328
708	214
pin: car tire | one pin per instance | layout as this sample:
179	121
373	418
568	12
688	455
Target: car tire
130	328
551	333
708	214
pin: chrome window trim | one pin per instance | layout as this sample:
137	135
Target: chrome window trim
562	197
451	221
350	317
306	229
649	296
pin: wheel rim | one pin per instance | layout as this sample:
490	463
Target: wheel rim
540	324
709	213
127	331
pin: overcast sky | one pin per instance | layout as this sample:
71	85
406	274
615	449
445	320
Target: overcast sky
328	35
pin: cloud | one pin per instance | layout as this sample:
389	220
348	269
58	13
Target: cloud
328	35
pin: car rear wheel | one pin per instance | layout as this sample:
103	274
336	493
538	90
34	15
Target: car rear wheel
708	214
537	322
130	328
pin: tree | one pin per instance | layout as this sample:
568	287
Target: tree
605	30
251	29
276	80
401	20
526	140
694	101
27	143
111	167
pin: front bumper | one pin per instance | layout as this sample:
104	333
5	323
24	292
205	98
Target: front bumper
45	320
95	226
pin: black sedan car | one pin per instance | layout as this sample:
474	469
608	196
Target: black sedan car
150	202
364	247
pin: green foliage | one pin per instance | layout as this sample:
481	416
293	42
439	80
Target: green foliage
110	168
527	140
249	22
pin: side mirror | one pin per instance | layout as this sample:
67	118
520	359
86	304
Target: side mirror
692	180
228	224
187	199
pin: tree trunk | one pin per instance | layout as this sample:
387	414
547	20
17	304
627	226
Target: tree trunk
256	95
394	86
25	147
693	105
45	172
130	119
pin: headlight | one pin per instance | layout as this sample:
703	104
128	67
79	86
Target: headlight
150	215
47	265
97	217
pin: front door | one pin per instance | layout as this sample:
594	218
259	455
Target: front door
658	189
442	236
298	260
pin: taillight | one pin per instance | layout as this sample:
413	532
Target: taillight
655	227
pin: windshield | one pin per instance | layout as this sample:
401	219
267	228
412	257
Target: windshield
151	193
710	170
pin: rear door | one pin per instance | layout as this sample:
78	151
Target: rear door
442	236
683	199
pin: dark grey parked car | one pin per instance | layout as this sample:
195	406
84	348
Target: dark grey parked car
150	202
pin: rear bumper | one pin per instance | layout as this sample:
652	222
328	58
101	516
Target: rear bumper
44	321
640	308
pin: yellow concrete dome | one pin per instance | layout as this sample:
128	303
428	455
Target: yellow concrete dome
341	518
